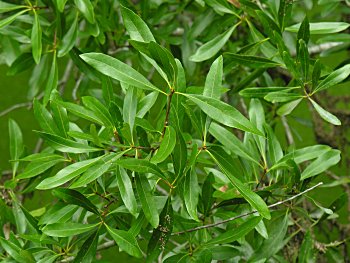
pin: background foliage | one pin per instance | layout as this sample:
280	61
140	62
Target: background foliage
178	130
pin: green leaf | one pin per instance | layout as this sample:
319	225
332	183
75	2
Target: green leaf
334	78
59	115
288	107
125	241
136	27
306	252
118	70
212	47
327	116
65	145
253	199
303	57
166	146
76	198
67	229
51	83
16	252
99	109
161	235
69	39
213	82
36	39
147	200
321	27
10	19
261	92
87	251
58	213
60	4
281	96
16	144
67	174
36	168
141	166
223	113
44	118
251	61
321	164
316	73
126	191
236	233
7	7
231	142
191	193
130	107
87	9
43	157
303	32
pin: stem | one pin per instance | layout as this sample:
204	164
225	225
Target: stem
246	214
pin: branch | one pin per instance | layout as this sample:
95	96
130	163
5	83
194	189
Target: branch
14	107
246	214
288	131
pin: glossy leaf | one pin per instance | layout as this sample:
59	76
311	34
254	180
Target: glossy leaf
327	116
251	61
87	9
10	19
191	193
69	39
126	190
213	81
52	80
322	27
16	144
87	251
130	107
334	78
166	146
67	229
36	39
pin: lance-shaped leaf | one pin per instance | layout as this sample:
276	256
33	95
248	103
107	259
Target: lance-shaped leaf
213	82
67	229
141	166
130	107
126	241
76	198
118	70
65	145
166	146
191	193
321	27
99	109
126	191
233	234
16	144
231	142
334	78
69	38
7	7
251	61
160	236
287	108
52	80
223	113
36	168
44	118
87	9
148	203
253	199
261	92
10	19
16	252
67	173
327	116
36	39
60	4
321	164
136	27
87	251
212	47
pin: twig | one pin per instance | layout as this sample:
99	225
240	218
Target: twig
246	214
76	87
66	75
288	131
16	106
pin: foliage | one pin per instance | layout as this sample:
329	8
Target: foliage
174	141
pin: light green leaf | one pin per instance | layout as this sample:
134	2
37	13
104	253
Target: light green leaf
212	47
36	39
213	82
126	191
334	78
146	198
16	144
60	5
322	27
125	241
237	232
191	193
67	229
287	108
327	116
7	7
118	70
166	146
87	9
136	27
223	113
281	96
10	19
67	174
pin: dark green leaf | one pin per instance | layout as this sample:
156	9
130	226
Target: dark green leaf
87	251
126	190
36	39
166	146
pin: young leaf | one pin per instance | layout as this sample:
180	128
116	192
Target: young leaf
87	251
223	113
212	47
16	144
191	193
67	229
327	116
76	198
166	147
233	234
147	200
136	27
87	9
126	191
141	166
36	39
253	199
67	174
125	241
213	82
334	78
